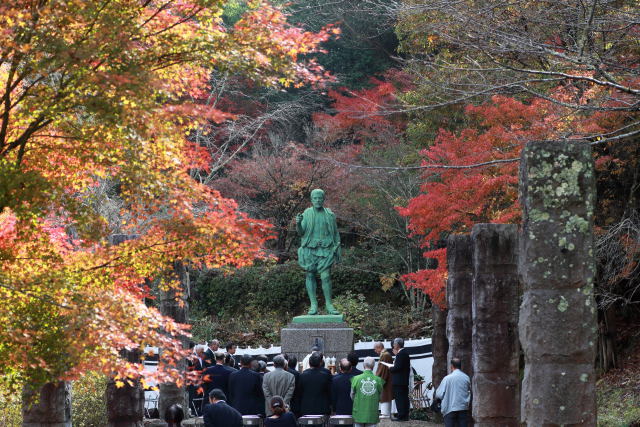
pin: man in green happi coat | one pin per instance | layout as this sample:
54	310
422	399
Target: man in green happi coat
366	389
319	248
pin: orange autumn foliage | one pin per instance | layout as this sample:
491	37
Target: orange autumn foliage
453	200
108	91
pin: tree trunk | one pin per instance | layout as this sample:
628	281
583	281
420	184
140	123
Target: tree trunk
175	305
439	345
50	406
558	312
496	382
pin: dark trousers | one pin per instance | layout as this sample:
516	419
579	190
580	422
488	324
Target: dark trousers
401	396
456	419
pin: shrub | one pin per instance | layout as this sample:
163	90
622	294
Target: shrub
268	287
10	409
88	403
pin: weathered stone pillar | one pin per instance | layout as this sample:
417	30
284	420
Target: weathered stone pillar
439	344
460	271
174	303
556	263
49	406
125	405
496	391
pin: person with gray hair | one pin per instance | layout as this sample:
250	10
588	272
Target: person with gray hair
366	389
210	353
278	382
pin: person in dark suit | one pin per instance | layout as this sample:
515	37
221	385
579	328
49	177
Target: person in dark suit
341	390
353	358
217	376
292	362
209	354
315	388
218	414
400	378
231	351
245	389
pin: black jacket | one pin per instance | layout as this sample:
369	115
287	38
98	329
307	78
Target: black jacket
341	394
401	368
216	376
209	358
295	400
221	415
315	392
245	392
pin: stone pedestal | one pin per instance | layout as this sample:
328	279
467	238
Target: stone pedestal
330	333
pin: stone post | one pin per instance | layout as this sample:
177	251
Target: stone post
439	345
49	406
496	394
175	305
125	405
460	271
556	263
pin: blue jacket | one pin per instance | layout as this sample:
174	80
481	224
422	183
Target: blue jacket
455	392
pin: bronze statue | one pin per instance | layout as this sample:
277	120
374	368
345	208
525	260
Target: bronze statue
319	248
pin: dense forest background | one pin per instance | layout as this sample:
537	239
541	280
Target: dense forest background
417	86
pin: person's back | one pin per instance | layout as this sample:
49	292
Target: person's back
245	389
278	383
341	389
455	392
218	413
366	389
280	417
315	389
217	376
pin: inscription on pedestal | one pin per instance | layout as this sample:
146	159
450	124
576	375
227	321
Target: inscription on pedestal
335	339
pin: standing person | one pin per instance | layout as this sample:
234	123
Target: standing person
293	369
245	389
341	389
281	417
400	371
278	383
305	360
353	358
197	366
383	372
210	353
218	414
231	351
315	388
455	392
366	389
217	376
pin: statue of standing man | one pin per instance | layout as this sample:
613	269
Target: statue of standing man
319	248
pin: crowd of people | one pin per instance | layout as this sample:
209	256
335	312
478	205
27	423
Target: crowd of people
227	391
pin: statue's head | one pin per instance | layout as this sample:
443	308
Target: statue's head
317	198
